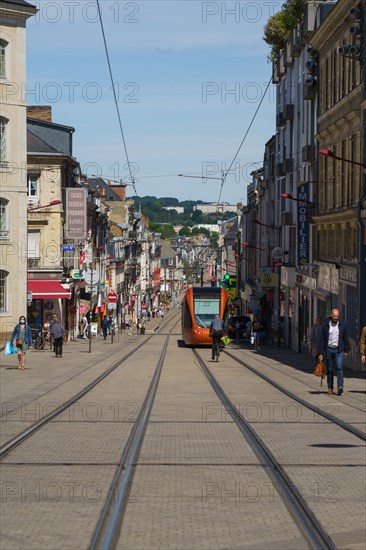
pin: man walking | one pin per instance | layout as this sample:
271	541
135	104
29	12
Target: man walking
105	325
334	345
57	332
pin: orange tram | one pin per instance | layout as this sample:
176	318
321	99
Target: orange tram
200	305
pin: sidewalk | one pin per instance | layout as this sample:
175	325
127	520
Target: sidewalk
150	326
298	361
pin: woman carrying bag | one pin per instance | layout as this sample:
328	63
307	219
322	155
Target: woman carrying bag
23	339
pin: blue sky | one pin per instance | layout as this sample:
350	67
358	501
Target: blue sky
175	64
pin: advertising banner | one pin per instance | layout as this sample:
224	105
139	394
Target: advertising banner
302	223
76	214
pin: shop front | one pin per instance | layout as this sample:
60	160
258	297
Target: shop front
306	316
48	297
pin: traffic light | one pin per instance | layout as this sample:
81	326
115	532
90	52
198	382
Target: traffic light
228	281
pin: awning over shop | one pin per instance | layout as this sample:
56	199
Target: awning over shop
47	290
322	294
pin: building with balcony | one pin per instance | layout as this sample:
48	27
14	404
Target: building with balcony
341	181
13	163
295	72
51	170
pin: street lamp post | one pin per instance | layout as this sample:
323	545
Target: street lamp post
329	153
257	222
291	198
52	203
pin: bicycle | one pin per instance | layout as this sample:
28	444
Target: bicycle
216	347
39	341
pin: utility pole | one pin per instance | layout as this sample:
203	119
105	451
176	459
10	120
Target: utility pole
237	268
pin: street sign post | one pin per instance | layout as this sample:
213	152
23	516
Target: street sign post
277	253
112	297
91	288
91	276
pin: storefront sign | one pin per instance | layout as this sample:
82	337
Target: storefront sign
76	213
268	279
348	274
76	274
302	223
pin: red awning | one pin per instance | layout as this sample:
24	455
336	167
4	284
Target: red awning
47	289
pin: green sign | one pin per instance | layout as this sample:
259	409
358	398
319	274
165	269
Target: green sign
76	274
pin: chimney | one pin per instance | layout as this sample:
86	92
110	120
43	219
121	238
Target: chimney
40	112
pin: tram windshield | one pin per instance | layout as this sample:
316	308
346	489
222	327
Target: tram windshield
205	311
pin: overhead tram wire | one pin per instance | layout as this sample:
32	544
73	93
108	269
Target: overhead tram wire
244	138
115	97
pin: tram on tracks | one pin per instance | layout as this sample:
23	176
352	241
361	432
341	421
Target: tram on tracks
200	305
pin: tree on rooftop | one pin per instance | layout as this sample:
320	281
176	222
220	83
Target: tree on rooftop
279	27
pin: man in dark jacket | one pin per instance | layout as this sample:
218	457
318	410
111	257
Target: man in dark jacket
334	346
57	332
216	332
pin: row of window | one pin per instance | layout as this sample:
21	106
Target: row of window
337	244
33	179
339	75
340	180
33	194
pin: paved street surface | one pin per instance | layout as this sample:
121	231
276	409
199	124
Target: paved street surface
197	483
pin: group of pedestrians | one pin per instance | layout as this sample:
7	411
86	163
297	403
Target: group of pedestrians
22	335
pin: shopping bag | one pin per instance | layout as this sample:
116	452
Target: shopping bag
252	339
320	371
9	349
225	340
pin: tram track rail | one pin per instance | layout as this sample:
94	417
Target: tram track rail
259	359
305	519
10	445
110	522
334	419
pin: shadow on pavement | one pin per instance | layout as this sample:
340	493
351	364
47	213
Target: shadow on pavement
301	362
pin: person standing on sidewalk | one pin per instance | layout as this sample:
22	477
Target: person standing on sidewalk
334	346
57	332
363	346
315	338
257	327
23	339
105	326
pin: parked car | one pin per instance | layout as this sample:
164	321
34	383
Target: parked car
231	327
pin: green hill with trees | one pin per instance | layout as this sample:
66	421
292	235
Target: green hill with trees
152	208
